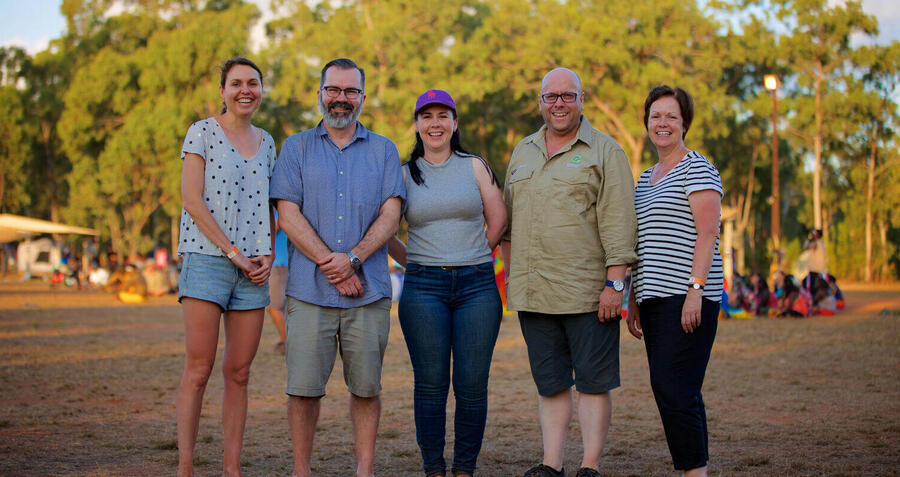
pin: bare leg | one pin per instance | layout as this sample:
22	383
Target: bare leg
698	472
555	413
201	336
242	331
365	413
277	315
594	414
303	413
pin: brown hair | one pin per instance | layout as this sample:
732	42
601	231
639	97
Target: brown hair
685	103
231	63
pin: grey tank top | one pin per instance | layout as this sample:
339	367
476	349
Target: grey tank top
445	214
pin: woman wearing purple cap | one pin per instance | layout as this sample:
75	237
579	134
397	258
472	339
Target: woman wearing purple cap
450	304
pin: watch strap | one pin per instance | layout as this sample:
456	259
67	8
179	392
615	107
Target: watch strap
355	261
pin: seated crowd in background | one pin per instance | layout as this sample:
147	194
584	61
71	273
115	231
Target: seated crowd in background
132	280
789	297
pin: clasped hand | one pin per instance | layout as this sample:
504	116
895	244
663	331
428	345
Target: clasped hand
337	269
256	269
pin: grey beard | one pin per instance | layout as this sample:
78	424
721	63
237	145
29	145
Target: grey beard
336	122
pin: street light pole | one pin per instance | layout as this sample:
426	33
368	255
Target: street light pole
771	82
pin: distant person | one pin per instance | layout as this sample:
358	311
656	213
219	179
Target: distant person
338	188
568	196
226	243
761	298
450	305
817	255
795	301
131	286
277	284
679	279
157	280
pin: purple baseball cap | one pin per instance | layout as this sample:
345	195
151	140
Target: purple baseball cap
434	96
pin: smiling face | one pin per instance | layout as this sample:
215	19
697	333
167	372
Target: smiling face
665	124
435	125
242	91
560	117
341	112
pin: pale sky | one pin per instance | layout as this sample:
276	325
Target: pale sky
33	23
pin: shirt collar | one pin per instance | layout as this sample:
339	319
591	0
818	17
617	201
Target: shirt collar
585	132
361	132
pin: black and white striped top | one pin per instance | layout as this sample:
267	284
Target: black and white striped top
666	230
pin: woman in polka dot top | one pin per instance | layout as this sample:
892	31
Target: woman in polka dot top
226	245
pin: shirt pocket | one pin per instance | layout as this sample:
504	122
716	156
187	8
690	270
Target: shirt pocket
519	181
574	195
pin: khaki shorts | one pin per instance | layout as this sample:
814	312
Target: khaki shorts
277	282
316	333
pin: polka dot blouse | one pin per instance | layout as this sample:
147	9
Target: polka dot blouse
235	189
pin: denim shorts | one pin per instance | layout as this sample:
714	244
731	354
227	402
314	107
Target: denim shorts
217	280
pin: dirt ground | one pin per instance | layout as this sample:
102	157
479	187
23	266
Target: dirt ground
87	388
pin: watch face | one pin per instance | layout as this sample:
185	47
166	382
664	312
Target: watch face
618	285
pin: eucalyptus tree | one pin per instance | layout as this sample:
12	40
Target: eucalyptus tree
818	47
127	108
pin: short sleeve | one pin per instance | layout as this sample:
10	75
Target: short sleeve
701	175
287	177
271	154
392	182
195	141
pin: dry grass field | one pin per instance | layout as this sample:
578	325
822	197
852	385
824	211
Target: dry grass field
87	387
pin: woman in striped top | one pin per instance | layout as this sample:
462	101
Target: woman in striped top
678	278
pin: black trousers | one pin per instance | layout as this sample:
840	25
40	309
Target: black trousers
677	366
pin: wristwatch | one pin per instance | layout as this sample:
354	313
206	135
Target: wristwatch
355	262
696	283
617	285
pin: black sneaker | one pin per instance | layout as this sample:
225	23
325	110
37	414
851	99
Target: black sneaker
544	471
587	472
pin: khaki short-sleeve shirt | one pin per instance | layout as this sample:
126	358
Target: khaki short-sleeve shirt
571	216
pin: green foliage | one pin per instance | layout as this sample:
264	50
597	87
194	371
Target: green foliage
127	111
13	150
95	123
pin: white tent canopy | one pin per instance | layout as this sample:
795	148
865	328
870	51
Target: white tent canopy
15	227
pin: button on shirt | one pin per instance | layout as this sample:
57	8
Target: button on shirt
571	216
340	192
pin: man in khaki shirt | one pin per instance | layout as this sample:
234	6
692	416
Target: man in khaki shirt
569	195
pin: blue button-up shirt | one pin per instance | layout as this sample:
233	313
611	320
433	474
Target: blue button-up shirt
339	191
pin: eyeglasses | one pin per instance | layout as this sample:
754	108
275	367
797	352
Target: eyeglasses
334	92
551	98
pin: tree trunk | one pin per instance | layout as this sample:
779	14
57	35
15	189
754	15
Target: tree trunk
817	149
870	189
115	235
885	263
744	211
46	129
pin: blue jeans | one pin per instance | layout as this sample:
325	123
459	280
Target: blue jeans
442	312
